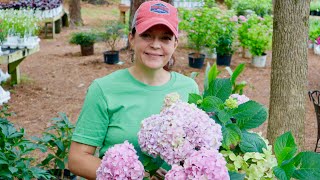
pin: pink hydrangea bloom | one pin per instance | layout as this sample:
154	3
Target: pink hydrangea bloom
176	173
242	18
206	164
240	98
120	162
177	131
318	41
234	19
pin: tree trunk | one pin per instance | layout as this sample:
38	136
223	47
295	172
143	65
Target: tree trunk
75	13
289	69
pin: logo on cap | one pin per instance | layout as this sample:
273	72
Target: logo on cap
159	8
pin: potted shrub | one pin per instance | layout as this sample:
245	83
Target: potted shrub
57	139
86	41
112	34
259	40
226	33
199	25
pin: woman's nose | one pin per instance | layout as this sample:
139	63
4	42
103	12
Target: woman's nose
155	43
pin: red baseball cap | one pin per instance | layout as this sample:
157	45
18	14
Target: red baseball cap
155	12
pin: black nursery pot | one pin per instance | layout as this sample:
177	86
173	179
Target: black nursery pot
196	62
313	13
223	60
111	57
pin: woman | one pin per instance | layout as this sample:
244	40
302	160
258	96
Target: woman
116	104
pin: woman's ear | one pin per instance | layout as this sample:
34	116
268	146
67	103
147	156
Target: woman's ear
176	42
131	40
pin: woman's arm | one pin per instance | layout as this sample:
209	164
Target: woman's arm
82	161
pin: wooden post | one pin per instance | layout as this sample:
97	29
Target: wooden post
123	9
13	70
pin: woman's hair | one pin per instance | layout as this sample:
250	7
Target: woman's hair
170	63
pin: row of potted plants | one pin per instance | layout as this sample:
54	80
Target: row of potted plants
111	35
19	29
210	28
243	7
31	4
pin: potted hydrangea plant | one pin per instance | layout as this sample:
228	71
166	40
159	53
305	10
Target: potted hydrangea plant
199	25
226	33
259	40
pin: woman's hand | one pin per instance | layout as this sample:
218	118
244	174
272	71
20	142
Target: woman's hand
159	174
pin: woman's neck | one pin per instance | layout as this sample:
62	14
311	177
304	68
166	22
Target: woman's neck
150	77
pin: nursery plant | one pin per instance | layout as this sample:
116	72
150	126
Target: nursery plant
86	41
57	139
114	31
258	35
15	149
199	25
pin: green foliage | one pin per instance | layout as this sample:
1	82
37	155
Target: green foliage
256	34
83	38
230	3
199	24
315	5
225	33
234	121
314	29
260	7
15	162
304	165
57	138
114	30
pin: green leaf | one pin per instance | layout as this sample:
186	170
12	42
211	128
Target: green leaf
231	135
220	88
60	163
193	75
213	73
206	77
251	142
223	116
280	173
151	165
237	72
3	162
308	166
13	169
236	176
250	115
212	103
194	98
285	147
47	159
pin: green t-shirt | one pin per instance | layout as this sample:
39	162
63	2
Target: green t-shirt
116	104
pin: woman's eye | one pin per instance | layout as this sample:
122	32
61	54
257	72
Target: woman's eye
145	36
166	38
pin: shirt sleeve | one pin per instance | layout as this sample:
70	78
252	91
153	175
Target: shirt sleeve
92	124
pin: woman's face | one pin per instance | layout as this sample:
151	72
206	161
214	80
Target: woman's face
154	47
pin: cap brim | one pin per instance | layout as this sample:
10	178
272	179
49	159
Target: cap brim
142	27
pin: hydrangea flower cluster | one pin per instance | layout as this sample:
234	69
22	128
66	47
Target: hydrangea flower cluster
203	164
170	99
177	132
240	98
255	165
120	162
231	103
